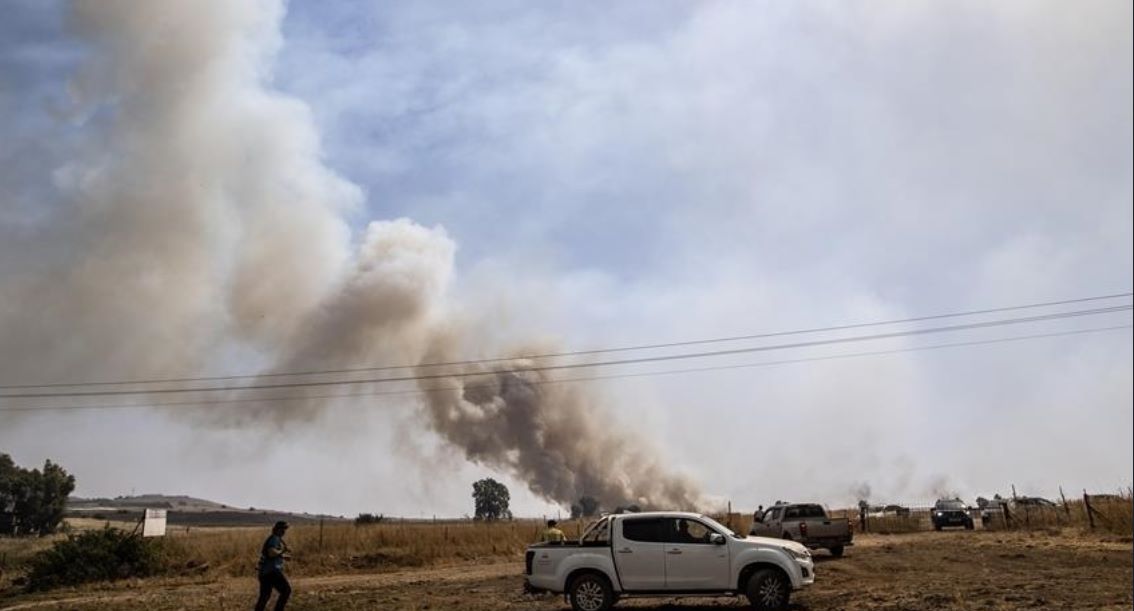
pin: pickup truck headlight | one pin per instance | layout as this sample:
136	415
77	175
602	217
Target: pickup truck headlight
798	554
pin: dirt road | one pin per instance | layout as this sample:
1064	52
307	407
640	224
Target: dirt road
949	570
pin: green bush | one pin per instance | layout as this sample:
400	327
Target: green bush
96	555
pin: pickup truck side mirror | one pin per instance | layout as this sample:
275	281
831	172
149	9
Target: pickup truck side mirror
716	539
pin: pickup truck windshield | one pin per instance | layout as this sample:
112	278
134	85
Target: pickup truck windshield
950	505
721	527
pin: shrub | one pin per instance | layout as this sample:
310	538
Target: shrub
368	518
96	555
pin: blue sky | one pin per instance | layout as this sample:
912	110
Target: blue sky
656	172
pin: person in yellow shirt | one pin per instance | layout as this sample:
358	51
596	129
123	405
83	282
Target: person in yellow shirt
551	534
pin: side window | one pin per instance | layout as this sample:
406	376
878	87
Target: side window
646	530
791	512
689	531
813	511
773	514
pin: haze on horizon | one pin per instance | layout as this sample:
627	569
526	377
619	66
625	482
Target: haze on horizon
265	187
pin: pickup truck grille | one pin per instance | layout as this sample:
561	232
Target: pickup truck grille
528	558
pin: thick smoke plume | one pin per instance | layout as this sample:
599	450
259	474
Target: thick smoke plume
551	435
198	231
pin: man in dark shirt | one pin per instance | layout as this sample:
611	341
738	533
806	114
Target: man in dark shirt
272	556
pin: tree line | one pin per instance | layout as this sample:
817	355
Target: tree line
32	501
491	499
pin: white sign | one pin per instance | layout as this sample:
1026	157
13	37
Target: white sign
153	524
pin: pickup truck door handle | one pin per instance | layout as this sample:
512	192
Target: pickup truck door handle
674	551
626	550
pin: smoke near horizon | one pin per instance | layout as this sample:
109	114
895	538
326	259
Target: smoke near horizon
203	224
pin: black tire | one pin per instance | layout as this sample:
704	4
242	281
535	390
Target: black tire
936	527
787	537
590	592
969	525
837	551
768	590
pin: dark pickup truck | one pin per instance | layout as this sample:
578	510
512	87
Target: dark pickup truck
951	512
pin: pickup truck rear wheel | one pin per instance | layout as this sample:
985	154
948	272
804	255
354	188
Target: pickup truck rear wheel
591	592
768	590
836	551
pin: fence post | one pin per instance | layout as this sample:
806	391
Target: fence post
1066	507
320	536
1090	511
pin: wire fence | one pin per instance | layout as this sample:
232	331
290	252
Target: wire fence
1107	513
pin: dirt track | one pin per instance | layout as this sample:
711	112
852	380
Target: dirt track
950	570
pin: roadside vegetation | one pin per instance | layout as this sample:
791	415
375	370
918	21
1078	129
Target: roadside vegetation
86	550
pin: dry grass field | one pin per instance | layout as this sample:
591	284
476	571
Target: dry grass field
478	566
918	571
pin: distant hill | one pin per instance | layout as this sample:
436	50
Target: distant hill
185	511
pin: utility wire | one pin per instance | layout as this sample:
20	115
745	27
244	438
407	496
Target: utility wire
590	352
650	359
423	391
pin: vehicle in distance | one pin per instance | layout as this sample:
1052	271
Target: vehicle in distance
1033	501
667	554
806	523
888	511
951	512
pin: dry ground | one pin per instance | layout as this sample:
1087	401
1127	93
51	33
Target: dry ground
949	570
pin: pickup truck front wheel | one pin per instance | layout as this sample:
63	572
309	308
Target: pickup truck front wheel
768	590
590	592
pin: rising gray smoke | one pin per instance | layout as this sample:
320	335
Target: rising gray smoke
553	436
200	231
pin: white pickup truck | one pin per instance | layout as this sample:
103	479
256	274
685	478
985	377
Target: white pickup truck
667	554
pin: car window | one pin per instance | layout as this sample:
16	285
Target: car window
950	505
812	511
687	530
647	530
773	514
791	512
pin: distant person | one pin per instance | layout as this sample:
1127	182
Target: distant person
272	556
552	534
759	515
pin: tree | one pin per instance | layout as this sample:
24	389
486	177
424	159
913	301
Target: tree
491	500
8	473
35	499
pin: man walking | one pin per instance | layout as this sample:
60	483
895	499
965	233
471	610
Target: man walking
272	556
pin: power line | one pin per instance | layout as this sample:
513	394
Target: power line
629	361
573	353
422	391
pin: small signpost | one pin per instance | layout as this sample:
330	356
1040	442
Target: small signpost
153	523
